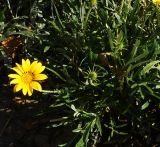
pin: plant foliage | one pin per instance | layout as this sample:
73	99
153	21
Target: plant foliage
103	64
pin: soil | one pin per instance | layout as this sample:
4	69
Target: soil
20	126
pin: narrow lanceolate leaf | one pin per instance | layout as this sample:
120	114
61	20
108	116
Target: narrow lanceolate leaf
138	58
55	26
98	124
23	33
145	105
149	66
135	47
83	140
46	48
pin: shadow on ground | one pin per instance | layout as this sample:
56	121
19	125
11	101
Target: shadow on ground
19	126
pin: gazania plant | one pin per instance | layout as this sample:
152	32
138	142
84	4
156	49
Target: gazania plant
103	57
27	76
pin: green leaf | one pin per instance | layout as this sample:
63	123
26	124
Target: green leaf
93	57
148	67
137	58
158	86
84	139
135	47
46	48
145	105
23	33
148	88
156	96
55	26
141	93
118	18
110	37
98	124
73	108
62	145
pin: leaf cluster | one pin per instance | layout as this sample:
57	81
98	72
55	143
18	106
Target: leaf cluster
102	58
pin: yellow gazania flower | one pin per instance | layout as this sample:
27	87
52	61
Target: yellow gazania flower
27	76
156	2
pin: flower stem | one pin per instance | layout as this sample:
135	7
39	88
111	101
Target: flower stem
47	91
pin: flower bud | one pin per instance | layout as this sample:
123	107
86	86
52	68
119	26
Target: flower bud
93	2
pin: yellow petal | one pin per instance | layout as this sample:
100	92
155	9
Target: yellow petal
14	76
26	65
30	90
15	81
40	77
16	69
157	2
39	70
35	66
17	87
24	90
36	86
20	67
28	62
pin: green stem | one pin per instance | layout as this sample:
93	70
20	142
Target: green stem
52	1
47	91
86	20
57	74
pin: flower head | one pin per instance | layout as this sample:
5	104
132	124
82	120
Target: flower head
27	76
93	2
156	2
92	75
